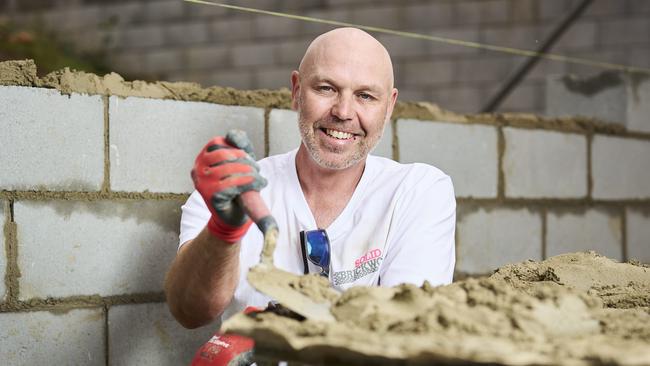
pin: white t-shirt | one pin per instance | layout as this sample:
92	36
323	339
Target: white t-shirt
398	227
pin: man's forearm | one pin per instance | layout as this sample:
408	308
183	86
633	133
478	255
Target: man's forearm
202	280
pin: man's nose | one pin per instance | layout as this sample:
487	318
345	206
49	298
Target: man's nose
343	108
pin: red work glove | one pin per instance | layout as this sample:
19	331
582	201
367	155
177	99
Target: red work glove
223	170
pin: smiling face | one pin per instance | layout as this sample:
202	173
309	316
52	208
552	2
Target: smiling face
344	95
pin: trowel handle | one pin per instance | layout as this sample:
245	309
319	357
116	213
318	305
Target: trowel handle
256	209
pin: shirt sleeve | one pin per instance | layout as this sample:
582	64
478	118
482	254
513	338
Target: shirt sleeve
421	242
194	216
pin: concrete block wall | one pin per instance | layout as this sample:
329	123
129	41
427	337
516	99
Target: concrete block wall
173	40
91	188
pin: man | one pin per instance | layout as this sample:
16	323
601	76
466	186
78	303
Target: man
387	223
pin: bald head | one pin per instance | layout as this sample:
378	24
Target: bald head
352	48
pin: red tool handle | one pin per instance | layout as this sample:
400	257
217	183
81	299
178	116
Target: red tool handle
254	206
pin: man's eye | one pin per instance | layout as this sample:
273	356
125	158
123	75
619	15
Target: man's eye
325	88
366	96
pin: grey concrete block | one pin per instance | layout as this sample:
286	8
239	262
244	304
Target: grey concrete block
147	334
270	27
163	60
129	62
638	102
606	102
124	13
524	11
481	12
581	35
616	55
374	15
290	52
186	33
53	141
459	99
428	72
91	41
153	143
461	34
3	253
638	234
624	31
606	9
72	248
592	229
490	238
385	145
234	78
415	93
638	6
74	337
401	47
257	54
284	133
235	29
553	9
612	97
164	10
143	36
425	16
620	168
544	164
467	153
207	57
527	97
274	78
299	5
70	19
331	13
483	69
194	10
518	36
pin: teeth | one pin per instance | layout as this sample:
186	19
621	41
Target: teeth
338	134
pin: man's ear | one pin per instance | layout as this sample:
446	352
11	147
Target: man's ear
295	89
391	103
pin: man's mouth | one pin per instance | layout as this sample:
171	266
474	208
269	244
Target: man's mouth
340	135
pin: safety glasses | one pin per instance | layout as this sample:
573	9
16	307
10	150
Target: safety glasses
316	248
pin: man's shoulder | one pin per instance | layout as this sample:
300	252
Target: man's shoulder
410	171
274	163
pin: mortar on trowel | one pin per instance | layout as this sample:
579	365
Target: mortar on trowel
270	280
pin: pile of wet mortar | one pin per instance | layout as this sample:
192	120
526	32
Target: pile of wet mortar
573	309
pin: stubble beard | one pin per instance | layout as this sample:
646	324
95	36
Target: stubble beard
308	133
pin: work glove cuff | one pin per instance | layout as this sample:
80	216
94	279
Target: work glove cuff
227	233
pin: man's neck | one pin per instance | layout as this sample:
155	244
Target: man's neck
327	191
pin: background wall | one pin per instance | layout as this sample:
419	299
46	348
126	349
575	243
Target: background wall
91	187
173	40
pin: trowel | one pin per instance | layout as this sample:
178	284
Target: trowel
266	277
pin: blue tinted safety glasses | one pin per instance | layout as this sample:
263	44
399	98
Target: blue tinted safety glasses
316	248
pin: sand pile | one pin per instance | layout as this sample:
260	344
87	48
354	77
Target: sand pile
574	309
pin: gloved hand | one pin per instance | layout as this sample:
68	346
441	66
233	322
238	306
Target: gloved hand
227	349
223	170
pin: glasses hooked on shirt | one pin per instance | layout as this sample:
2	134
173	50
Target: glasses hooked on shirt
315	245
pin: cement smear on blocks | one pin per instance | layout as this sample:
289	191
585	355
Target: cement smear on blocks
573	309
23	73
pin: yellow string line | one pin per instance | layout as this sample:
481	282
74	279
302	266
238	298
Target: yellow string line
508	50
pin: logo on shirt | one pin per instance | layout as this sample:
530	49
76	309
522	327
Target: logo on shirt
363	266
372	254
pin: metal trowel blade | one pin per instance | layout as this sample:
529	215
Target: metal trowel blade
275	283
